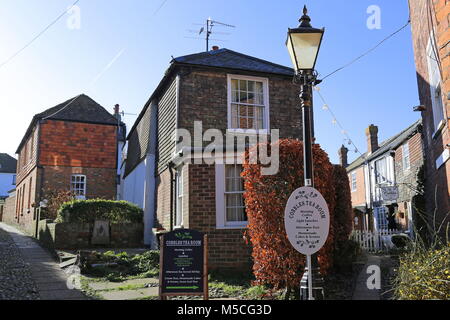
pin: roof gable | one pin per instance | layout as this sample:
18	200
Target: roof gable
225	58
78	109
81	108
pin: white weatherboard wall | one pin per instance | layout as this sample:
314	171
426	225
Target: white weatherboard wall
6	183
139	188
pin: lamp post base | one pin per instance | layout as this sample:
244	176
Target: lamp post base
318	290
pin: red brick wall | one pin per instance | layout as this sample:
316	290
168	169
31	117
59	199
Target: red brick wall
100	182
358	196
227	248
422	16
76	144
27	157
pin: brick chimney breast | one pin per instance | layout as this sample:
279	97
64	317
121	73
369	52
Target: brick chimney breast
372	138
343	156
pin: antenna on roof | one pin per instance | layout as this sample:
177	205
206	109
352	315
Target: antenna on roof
210	24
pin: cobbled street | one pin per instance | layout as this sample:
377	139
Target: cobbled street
15	275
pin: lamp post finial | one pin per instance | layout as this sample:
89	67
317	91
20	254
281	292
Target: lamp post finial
305	20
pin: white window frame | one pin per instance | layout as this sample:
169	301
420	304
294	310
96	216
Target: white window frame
406	159
434	79
179	192
381	217
75	190
353	181
378	175
221	215
266	113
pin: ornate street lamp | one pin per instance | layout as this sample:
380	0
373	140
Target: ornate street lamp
303	44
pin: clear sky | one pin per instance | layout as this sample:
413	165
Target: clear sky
122	48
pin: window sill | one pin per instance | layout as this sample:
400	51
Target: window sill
439	129
233	227
248	131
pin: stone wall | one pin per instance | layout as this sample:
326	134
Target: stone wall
78	235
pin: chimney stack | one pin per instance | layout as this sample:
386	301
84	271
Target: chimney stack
117	112
215	48
372	138
343	151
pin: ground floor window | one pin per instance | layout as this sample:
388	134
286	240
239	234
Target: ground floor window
78	186
234	194
381	217
230	207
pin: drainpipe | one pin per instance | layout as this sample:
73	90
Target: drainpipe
170	166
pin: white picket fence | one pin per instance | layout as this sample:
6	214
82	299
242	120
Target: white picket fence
374	241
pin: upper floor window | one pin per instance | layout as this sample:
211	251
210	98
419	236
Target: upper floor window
405	156
353	181
248	103
381	171
434	79
78	186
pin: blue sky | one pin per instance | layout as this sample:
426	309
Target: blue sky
122	49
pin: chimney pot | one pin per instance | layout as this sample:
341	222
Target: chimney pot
215	48
117	109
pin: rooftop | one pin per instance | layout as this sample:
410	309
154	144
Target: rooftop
8	164
390	144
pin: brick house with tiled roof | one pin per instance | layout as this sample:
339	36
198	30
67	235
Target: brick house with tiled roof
72	146
228	91
396	162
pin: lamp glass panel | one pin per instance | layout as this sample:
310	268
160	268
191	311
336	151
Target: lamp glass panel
303	49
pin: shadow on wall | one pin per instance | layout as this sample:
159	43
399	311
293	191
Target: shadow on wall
436	179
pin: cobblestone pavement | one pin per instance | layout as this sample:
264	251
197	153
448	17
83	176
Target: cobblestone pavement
15	276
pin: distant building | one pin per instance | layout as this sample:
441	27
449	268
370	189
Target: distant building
430	25
72	146
8	166
384	181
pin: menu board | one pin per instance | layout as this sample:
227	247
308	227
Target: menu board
183	262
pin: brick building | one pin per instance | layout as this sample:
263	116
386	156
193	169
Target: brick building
430	22
230	92
391	166
72	146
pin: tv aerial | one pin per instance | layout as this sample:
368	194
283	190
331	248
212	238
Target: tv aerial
208	30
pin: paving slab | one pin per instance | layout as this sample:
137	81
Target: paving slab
97	286
129	294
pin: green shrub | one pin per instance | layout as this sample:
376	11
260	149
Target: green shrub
424	274
88	211
121	266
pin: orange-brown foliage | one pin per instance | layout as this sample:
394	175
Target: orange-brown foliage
276	262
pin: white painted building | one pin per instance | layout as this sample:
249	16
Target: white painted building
8	166
138	168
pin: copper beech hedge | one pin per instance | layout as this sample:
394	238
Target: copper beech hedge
276	262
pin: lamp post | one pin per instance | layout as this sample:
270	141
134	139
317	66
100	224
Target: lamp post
303	44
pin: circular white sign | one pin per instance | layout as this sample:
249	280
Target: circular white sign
307	220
